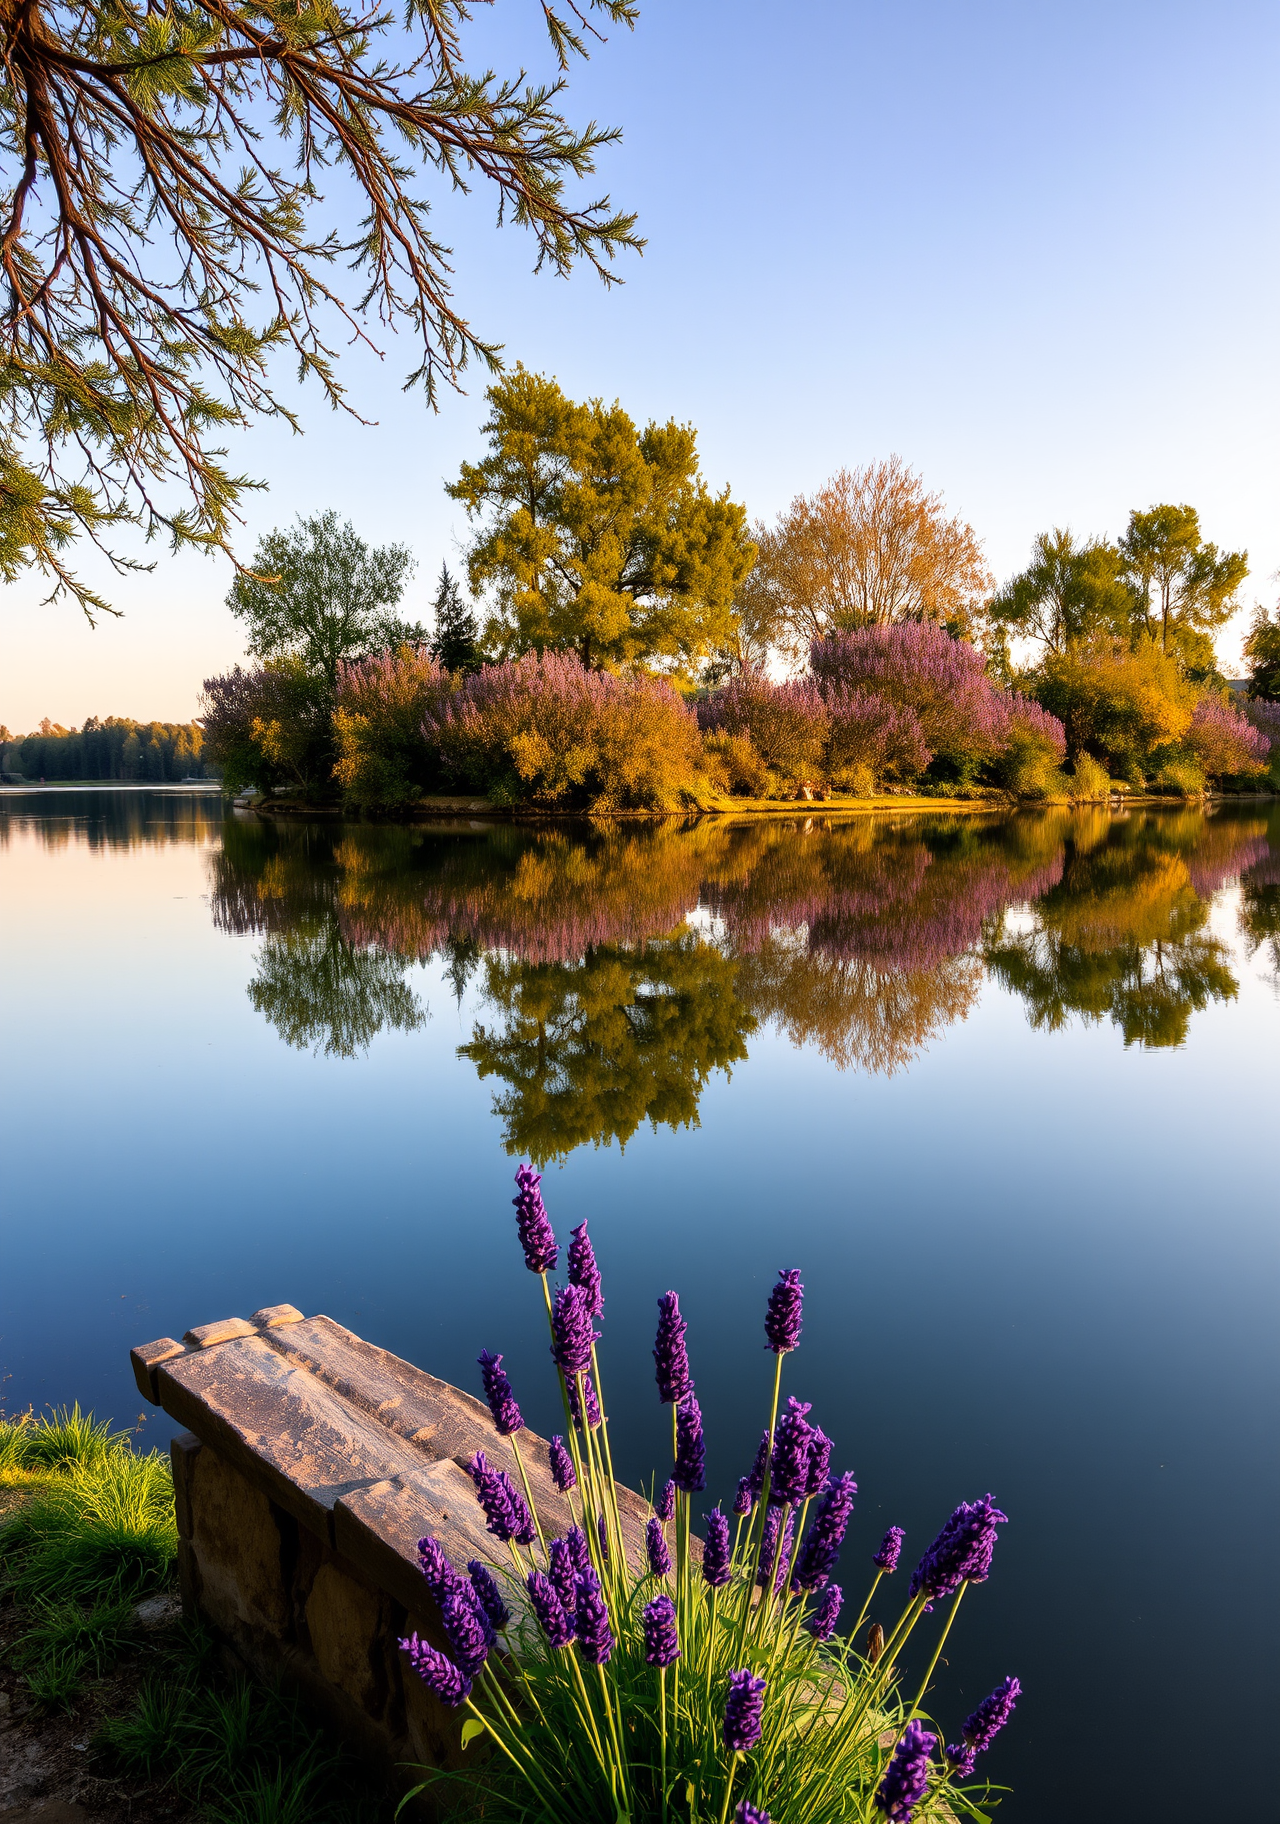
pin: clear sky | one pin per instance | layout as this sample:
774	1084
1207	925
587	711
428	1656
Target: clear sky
1030	247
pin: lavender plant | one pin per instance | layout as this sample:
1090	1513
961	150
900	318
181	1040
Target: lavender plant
630	1672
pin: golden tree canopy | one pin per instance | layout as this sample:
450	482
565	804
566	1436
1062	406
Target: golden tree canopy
868	548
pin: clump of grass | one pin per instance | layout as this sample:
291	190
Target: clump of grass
97	1533
247	1753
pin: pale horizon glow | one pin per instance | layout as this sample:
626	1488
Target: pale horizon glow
1030	250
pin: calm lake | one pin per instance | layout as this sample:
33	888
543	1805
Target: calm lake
1004	1088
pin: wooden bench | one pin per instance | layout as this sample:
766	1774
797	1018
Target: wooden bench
312	1464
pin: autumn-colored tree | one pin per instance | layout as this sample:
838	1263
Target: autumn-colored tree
1069	592
597	538
1186	587
1117	704
871	547
166	237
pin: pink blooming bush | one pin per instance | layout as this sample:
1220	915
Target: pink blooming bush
787	724
546	731
1224	741
378	712
963	717
871	737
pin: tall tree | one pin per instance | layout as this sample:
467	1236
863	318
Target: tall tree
1069	592
597	538
318	593
455	639
168	161
869	548
1262	649
1187	587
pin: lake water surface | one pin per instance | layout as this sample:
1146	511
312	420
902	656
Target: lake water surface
1004	1088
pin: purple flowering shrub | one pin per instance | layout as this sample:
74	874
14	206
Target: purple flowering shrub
963	718
786	724
547	731
268	726
1225	742
623	1669
379	708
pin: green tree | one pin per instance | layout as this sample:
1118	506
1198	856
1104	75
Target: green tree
1069	592
597	538
1186	587
319	594
166	174
455	637
1262	649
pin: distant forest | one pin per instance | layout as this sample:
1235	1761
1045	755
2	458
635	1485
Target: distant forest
119	748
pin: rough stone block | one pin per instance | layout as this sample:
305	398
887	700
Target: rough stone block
272	1316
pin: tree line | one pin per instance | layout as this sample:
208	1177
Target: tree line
116	748
859	641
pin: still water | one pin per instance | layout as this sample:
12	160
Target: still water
1004	1088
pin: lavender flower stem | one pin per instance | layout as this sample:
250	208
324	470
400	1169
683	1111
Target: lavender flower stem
614	1514
760	1510
662	1711
528	1494
862	1614
613	1731
942	1641
733	1768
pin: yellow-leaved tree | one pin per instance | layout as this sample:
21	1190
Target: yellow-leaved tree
597	538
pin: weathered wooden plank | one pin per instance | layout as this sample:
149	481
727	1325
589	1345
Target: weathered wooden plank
378	1528
205	1336
281	1427
146	1358
271	1316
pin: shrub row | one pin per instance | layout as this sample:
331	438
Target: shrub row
882	706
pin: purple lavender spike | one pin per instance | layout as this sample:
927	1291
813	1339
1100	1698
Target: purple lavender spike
743	1712
661	1640
906	1778
789	1471
820	1448
488	1593
537	1238
886	1555
437	1672
555	1624
564	1575
822	1542
822	1623
572	1332
671	1358
962	1551
656	1548
691	1450
595	1636
783	1317
716	1550
583	1270
497	1390
665	1506
744	1500
563	1474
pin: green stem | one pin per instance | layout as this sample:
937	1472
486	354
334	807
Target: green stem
662	1706
528	1495
875	1582
728	1787
942	1641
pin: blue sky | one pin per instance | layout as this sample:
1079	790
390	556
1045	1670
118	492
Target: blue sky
1031	248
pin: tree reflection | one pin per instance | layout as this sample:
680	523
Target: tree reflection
1121	936
590	1050
617	968
329	996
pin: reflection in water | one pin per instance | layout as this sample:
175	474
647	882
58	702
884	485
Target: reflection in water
1260	911
111	819
619	968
